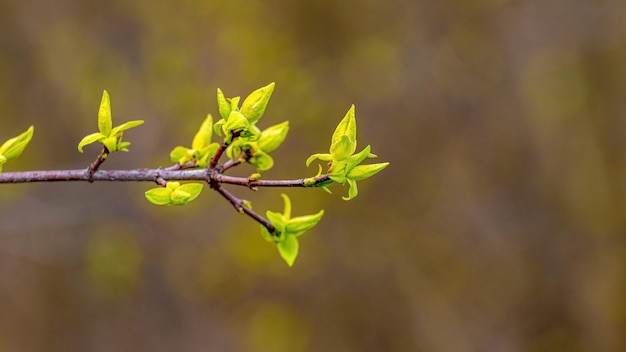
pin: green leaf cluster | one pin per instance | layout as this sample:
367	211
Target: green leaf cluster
174	193
14	147
241	121
201	149
343	163
109	136
258	150
288	230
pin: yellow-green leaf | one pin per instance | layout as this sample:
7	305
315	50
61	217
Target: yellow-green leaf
14	147
272	137
90	138
125	126
347	127
204	134
299	225
254	105
288	249
105	122
159	196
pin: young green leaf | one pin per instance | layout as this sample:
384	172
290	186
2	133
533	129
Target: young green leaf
353	191
105	122
110	143
343	148
125	126
254	105
287	209
288	249
299	225
278	221
347	127
159	196
356	159
262	161
362	172
236	123
181	155
324	157
234	103
14	147
110	137
204	134
272	137
192	189
266	234
223	104
174	194
90	138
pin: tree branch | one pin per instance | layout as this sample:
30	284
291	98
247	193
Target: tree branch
102	175
152	175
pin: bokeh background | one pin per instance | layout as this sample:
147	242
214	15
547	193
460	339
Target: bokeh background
499	225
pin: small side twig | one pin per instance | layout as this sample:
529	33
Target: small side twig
244	181
240	207
93	167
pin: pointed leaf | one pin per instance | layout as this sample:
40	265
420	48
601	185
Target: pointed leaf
180	154
217	127
223	104
90	138
236	123
254	105
358	158
347	127
203	137
14	147
299	225
193	189
353	191
287	210
105	122
125	126
362	172
159	196
343	148
288	249
272	137
338	178
279	223
234	103
262	161
206	154
123	146
325	157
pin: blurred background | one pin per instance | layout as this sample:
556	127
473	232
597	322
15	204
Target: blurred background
499	225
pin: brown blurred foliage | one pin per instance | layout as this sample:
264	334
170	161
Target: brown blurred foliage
499	225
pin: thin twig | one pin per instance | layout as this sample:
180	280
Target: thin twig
240	207
93	167
231	163
243	181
